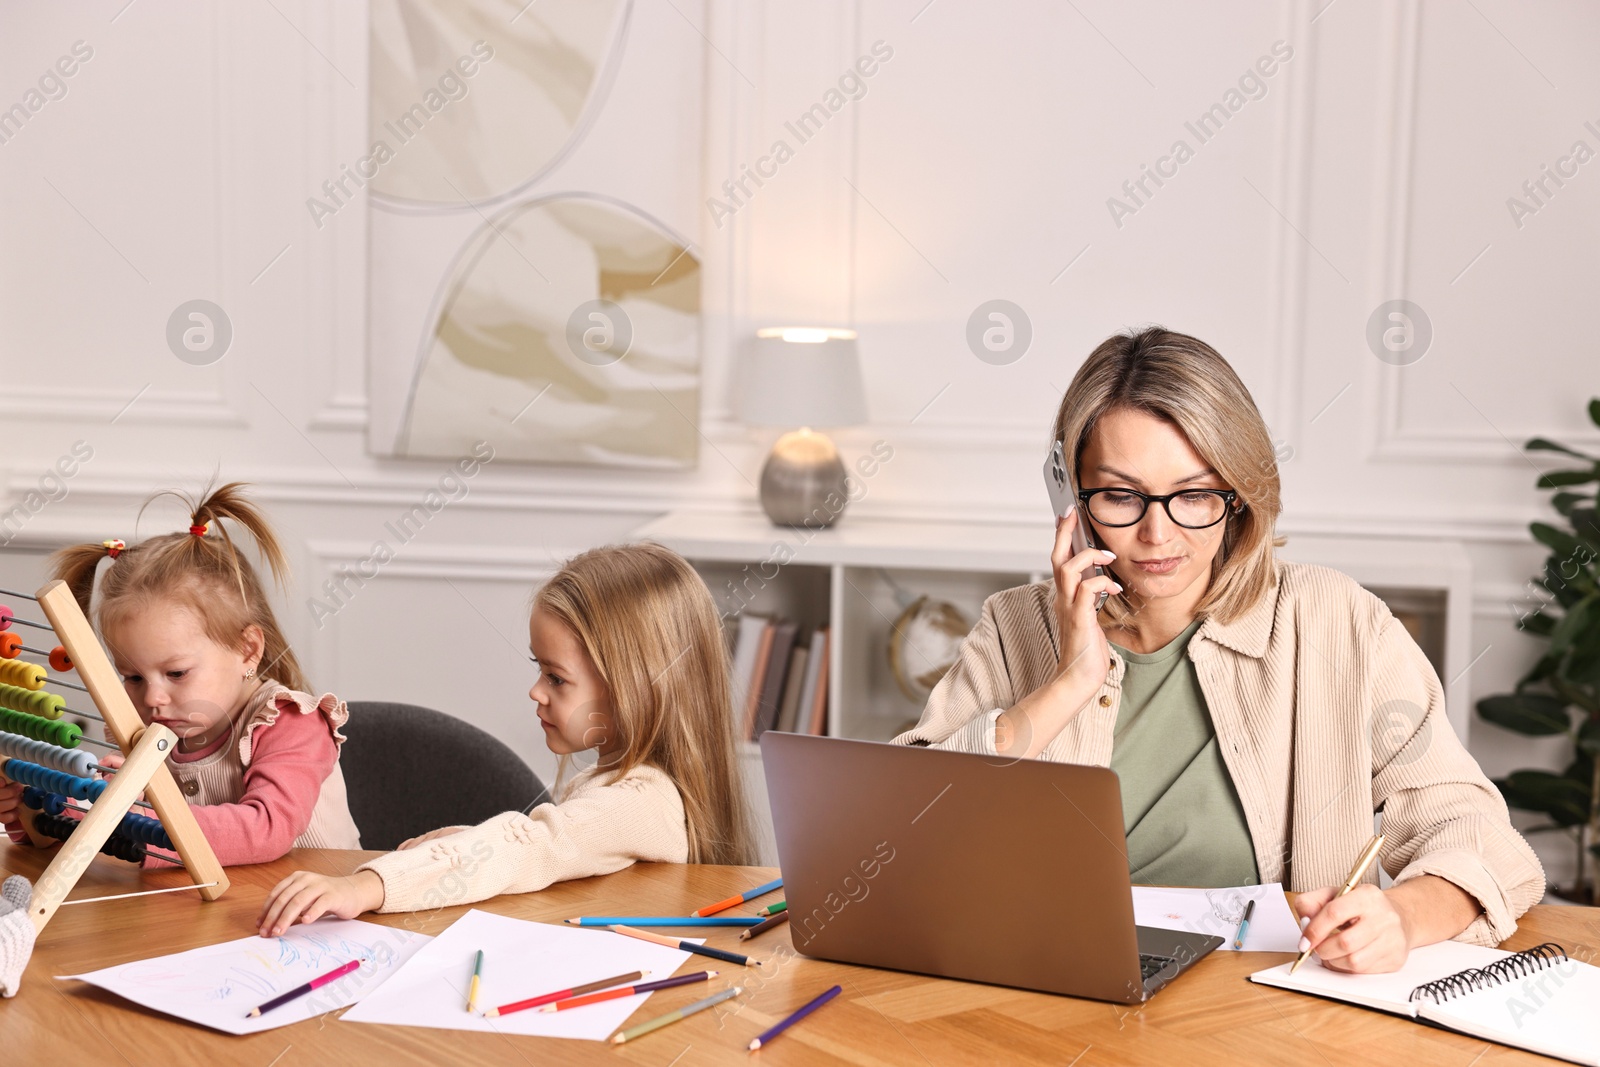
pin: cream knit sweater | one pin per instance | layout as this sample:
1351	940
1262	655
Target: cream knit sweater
1326	711
599	827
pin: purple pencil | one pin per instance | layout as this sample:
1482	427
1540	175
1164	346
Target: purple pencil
796	1017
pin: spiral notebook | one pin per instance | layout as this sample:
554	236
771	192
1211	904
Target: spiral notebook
1539	999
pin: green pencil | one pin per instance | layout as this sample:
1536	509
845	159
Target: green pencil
773	909
673	1016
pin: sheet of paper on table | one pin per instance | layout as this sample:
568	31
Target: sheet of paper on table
218	985
523	959
1273	927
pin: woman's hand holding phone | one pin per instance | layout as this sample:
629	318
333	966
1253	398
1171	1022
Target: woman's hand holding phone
1085	655
1023	730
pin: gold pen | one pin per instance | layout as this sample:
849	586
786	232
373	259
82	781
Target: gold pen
1363	861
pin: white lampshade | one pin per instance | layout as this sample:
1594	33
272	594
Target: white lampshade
801	376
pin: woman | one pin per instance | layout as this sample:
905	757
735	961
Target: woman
1257	712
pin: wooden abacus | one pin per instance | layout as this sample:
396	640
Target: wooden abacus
34	728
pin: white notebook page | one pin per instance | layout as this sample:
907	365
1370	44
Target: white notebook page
1386	992
1554	1011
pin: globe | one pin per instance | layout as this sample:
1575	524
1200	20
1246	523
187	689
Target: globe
924	643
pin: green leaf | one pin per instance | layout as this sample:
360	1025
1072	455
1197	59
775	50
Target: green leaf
1530	714
1566	592
1572	625
1589	737
1565	801
1552	479
1587	699
1564	543
1564	501
1537	623
1544	444
1594	411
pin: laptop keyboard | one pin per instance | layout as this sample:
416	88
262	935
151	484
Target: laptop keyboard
1151	965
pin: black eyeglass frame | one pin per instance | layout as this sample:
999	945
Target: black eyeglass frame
1229	497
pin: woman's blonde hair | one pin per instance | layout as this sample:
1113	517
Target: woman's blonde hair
650	627
204	573
1184	381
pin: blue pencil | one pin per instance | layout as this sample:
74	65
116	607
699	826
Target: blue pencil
799	1014
663	920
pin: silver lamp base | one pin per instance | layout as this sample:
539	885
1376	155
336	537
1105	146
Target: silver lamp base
803	481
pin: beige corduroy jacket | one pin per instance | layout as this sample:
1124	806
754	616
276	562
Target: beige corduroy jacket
1326	711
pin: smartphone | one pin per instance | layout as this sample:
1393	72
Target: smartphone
1064	499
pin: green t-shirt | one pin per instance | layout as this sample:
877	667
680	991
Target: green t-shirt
1182	815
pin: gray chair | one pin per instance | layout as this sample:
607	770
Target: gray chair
409	770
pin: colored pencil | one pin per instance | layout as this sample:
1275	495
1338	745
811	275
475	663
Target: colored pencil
1363	861
777	920
477	972
563	994
315	983
673	1016
774	909
796	1017
748	894
688	946
1244	924
662	920
629	990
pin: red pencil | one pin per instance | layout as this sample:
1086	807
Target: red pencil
628	991
551	998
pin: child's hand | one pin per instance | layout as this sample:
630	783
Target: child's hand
305	897
112	760
443	831
10	801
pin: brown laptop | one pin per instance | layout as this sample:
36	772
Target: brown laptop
1011	872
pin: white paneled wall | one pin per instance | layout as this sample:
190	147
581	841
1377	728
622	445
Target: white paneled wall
1374	163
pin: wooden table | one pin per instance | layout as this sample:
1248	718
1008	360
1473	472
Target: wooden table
1210	1015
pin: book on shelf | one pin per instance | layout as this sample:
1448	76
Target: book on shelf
784	632
789	706
758	674
746	637
822	644
815	654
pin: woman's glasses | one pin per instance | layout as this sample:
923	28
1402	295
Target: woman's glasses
1193	509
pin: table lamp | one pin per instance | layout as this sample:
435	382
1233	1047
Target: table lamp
802	376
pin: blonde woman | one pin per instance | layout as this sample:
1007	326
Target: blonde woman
631	664
1257	712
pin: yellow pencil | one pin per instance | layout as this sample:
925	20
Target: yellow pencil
1363	861
472	994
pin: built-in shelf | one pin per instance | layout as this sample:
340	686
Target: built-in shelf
846	576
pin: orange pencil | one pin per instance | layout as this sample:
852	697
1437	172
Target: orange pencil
749	894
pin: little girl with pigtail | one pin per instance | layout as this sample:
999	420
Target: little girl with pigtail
188	627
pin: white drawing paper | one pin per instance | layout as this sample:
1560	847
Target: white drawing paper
1273	927
523	959
218	985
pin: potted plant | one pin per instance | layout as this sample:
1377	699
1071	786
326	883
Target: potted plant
1561	693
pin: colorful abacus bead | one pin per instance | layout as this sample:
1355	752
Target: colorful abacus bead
74	761
34	702
10	645
37	799
22	674
60	662
61	827
52	781
145	830
55	732
5	617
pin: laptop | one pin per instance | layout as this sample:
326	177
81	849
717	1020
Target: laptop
981	868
